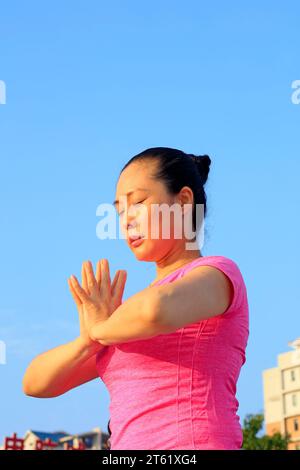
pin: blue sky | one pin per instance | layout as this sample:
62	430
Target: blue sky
90	84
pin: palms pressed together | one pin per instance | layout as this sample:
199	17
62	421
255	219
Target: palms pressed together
97	298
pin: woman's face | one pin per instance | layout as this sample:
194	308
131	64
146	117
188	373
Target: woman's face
136	193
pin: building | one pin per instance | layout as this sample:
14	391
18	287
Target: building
281	387
92	440
32	438
59	440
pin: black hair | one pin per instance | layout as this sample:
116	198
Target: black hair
177	169
109	435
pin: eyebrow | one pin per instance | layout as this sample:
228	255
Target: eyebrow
130	192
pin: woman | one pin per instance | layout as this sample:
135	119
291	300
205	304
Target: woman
171	354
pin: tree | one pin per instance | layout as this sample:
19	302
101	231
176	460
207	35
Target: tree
252	424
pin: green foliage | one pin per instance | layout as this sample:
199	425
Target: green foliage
251	441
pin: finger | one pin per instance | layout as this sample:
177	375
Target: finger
98	274
84	279
115	281
120	286
105	288
91	281
80	292
75	296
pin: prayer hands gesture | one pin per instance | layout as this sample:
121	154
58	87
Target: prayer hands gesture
97	298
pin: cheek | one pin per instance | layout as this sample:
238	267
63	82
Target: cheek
142	219
157	225
160	226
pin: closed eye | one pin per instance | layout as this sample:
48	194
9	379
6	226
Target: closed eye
140	202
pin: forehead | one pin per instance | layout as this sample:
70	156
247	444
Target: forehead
136	176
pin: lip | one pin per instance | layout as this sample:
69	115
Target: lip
136	242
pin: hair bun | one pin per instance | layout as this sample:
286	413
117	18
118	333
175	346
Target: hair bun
203	163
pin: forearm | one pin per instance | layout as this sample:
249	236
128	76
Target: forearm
49	373
134	319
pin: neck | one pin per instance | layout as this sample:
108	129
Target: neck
173	262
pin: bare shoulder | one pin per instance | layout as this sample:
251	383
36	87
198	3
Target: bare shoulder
218	281
203	292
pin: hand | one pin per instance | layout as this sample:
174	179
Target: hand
97	299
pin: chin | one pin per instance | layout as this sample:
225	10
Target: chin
144	252
143	255
151	250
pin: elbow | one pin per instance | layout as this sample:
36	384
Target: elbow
28	389
31	391
26	385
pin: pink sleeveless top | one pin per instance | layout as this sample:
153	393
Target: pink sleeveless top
177	391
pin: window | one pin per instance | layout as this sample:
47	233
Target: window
296	425
294	400
293	378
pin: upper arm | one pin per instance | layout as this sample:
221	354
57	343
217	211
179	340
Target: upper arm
203	292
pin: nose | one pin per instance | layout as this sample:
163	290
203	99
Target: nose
131	222
128	224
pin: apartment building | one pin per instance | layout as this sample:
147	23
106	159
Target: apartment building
281	387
